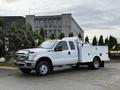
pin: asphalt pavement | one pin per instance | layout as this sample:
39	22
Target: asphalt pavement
107	78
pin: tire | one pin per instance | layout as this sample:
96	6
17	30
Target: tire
51	68
95	64
42	68
25	70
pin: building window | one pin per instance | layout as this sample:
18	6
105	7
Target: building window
59	30
37	31
37	23
59	23
50	23
45	32
55	23
49	31
54	31
8	23
45	23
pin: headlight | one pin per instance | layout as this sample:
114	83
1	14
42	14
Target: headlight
25	55
32	55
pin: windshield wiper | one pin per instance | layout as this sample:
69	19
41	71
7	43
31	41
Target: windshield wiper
40	47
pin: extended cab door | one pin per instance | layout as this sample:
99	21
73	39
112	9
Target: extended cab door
73	52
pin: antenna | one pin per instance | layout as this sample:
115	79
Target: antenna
29	11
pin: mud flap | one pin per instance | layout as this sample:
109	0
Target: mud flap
102	64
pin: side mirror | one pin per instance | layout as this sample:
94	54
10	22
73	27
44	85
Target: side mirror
59	48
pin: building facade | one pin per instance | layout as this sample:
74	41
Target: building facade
55	24
8	20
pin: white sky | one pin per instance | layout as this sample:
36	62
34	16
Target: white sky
96	17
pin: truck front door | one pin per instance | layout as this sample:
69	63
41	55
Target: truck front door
61	57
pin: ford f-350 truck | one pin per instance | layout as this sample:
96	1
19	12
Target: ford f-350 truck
54	53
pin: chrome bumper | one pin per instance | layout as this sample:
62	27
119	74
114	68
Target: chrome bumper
25	64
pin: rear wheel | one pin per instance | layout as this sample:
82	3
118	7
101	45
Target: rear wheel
43	68
95	64
25	70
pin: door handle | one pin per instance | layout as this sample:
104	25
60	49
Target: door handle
68	53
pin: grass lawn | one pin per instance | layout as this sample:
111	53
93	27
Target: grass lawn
115	60
5	64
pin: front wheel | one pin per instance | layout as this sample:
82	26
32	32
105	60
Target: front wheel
42	68
25	70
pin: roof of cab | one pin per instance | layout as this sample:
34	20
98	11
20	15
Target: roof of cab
66	39
71	38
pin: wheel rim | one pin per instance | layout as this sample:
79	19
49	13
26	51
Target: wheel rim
96	64
43	69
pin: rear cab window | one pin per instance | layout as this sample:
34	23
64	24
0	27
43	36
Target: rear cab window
72	46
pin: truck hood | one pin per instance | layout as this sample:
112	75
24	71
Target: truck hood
33	50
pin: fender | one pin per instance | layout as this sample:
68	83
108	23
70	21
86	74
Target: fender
47	59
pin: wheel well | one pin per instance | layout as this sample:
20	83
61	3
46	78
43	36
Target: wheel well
97	58
48	60
101	62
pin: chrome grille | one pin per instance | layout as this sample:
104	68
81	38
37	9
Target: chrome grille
21	56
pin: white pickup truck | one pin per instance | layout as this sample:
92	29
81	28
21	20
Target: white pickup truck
54	53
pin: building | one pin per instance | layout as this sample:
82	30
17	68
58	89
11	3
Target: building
55	24
8	20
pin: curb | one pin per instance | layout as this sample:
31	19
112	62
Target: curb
7	68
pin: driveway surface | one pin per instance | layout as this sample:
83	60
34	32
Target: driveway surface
107	78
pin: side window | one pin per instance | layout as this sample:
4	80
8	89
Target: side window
63	44
72	46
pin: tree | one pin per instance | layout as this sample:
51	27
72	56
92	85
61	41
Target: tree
71	34
94	42
2	43
21	36
18	36
101	42
52	36
2	37
1	22
61	35
42	33
112	42
86	39
80	36
106	41
31	37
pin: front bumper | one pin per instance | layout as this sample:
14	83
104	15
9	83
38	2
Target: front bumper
25	64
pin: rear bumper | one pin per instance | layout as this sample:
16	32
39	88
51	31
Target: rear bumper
107	60
25	64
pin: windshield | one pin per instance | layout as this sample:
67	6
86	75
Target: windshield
47	44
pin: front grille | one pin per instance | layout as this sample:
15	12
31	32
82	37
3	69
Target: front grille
21	56
21	65
28	64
